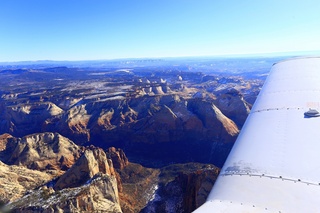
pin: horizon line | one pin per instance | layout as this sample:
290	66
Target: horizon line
236	55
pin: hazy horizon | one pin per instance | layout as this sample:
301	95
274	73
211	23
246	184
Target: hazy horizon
253	55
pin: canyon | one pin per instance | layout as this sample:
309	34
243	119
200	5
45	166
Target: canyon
118	138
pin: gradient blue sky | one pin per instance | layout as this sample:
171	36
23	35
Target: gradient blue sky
108	29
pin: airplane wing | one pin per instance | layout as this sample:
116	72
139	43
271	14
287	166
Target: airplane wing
274	165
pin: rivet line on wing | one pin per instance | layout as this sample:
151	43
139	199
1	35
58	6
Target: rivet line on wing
271	177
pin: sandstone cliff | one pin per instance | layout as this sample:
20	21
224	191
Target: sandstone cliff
98	195
7	145
139	185
25	119
88	165
90	185
44	151
93	183
157	127
182	188
231	102
201	123
160	116
118	157
15	181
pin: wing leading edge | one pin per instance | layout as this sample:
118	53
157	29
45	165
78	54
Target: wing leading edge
274	165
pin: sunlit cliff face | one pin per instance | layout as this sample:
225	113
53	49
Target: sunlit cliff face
63	123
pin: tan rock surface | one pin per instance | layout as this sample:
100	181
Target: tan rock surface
98	195
232	104
159	122
4	139
228	124
90	185
43	151
7	146
75	122
88	165
24	119
16	180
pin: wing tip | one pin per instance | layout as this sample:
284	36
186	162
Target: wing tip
298	58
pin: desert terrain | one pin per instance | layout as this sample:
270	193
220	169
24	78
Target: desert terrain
120	136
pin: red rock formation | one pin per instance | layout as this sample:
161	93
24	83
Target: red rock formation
89	164
4	139
195	187
118	157
140	124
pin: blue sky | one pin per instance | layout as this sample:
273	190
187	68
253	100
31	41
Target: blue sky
108	29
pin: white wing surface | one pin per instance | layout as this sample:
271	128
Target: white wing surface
274	165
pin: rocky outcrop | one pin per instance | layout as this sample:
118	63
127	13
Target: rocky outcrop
44	151
75	123
163	122
139	185
157	127
7	145
88	165
233	105
98	195
118	157
212	118
182	188
187	117
174	188
15	181
90	185
24	119
195	187
66	103
4	139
